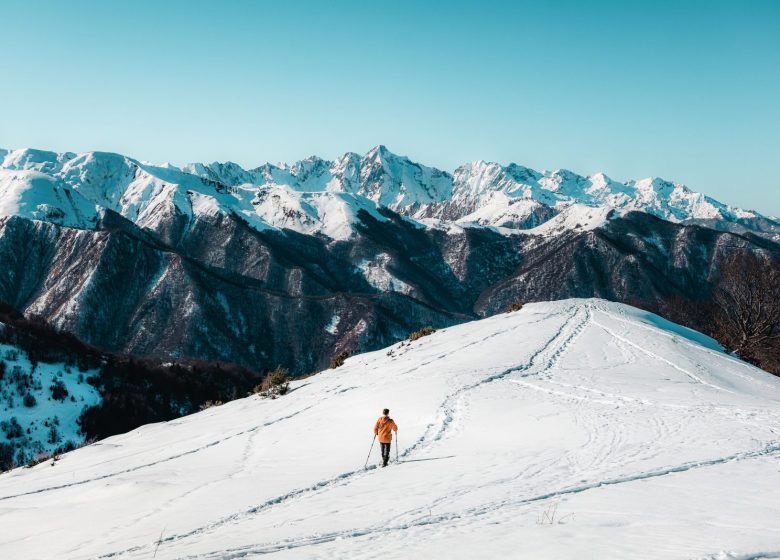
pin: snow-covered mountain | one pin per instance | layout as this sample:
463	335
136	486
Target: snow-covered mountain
76	190
513	197
318	196
575	429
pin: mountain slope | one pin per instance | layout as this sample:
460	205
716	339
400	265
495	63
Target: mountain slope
230	293
572	429
220	293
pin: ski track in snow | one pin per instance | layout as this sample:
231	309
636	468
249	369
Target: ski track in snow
691	345
448	409
660	358
477	342
158	462
749	556
482	510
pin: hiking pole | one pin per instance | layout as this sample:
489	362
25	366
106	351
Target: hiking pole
369	451
396	447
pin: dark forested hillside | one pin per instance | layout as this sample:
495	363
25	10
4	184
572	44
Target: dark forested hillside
227	292
39	360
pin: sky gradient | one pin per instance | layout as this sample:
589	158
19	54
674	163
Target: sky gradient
689	91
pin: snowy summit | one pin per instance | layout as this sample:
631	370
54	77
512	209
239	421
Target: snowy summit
574	429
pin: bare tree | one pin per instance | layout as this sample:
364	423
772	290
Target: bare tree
747	304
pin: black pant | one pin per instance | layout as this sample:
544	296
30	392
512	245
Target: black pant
385	453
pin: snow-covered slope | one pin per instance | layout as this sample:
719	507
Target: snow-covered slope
574	429
40	403
316	196
38	196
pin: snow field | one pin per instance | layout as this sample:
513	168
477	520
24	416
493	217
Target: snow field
573	429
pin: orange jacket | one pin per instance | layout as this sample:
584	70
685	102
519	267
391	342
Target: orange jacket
384	428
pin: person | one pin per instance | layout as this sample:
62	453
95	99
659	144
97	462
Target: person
384	429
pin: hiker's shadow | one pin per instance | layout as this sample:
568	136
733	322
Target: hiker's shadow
428	459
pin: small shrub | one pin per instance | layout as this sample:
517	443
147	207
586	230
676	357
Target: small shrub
339	360
6	457
65	448
550	516
58	390
275	384
38	459
11	428
21	379
516	306
2	370
209	404
425	331
70	446
29	400
54	435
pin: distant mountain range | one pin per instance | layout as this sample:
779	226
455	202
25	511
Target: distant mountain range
319	196
293	264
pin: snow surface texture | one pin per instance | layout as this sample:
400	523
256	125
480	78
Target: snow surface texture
574	429
48	421
316	196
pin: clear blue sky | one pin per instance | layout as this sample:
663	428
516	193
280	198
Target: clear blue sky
689	91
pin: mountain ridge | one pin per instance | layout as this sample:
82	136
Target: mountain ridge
316	195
